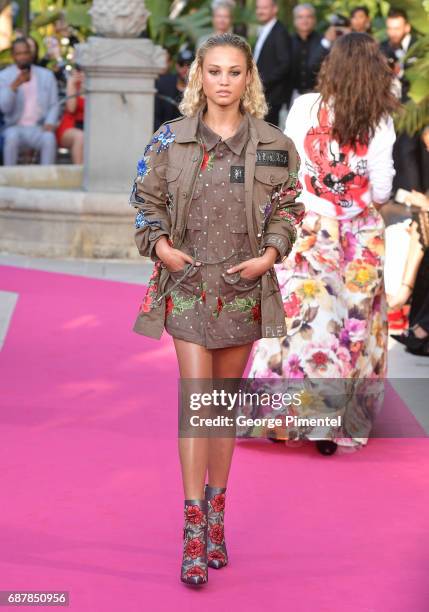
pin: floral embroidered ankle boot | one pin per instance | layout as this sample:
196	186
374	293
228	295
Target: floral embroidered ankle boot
194	564
217	556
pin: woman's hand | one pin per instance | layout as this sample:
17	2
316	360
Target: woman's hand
174	259
418	199
251	269
395	302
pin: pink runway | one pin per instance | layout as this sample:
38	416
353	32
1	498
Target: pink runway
91	492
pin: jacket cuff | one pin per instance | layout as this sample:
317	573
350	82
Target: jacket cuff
281	244
153	239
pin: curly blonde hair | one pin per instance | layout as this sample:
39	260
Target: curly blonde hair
194	98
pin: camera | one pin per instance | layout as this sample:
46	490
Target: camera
340	23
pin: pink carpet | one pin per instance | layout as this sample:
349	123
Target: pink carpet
91	498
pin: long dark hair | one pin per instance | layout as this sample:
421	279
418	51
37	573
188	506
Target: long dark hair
356	79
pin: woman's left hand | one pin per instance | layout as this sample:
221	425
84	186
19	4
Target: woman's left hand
251	269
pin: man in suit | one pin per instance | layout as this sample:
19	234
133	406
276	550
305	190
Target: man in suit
272	56
410	157
29	102
309	49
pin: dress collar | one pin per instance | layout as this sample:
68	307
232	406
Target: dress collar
235	142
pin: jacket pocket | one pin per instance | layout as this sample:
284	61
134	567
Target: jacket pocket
235	284
270	176
191	283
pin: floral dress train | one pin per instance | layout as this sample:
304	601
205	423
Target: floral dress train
335	308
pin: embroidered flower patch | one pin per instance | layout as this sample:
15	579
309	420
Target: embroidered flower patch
208	160
164	139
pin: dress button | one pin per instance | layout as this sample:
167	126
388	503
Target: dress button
185	194
272	178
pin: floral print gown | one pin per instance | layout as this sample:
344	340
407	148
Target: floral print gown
332	283
335	308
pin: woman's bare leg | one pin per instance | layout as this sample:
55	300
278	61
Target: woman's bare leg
228	362
73	139
414	258
195	361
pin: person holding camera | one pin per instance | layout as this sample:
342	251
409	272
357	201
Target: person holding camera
29	102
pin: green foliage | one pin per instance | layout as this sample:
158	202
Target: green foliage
194	22
193	25
416	113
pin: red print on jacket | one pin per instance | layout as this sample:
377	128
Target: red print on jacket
334	177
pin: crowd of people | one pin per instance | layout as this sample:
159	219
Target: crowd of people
42	111
289	65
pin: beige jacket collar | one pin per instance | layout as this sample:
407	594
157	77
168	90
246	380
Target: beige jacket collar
186	130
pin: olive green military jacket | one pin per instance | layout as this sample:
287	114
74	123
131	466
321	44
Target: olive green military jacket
162	194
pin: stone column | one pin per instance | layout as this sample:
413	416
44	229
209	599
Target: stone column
119	84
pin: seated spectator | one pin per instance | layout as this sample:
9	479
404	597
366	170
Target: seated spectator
70	130
29	102
415	281
309	49
360	21
170	88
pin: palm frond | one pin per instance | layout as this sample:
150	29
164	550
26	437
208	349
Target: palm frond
414	117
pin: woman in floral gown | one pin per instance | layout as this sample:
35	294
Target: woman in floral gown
332	284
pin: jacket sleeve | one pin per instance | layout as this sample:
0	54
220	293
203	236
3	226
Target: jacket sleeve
380	161
287	213
7	96
149	193
53	106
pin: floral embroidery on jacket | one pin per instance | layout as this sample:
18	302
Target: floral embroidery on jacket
152	288
208	160
169	201
266	210
177	303
135	197
247	304
141	221
143	167
164	139
293	192
294	176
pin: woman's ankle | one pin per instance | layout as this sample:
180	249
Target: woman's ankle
419	332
